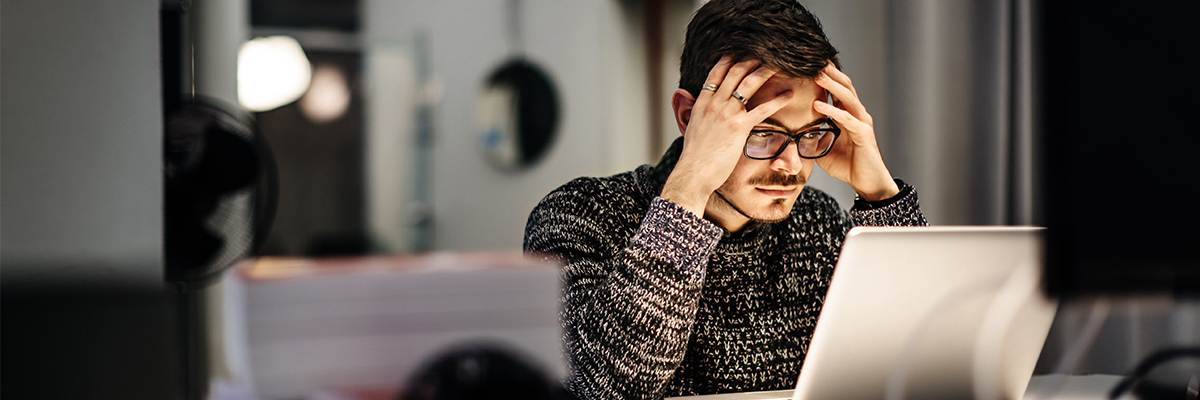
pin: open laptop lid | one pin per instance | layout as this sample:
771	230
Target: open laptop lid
929	313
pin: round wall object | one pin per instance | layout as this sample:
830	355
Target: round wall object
518	112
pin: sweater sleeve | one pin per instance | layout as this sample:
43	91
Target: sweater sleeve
629	301
901	210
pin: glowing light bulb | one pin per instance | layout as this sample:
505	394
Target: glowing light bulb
328	97
272	71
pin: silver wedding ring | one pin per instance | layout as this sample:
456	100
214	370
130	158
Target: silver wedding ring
709	86
739	97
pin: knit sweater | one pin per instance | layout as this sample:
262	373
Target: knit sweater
660	302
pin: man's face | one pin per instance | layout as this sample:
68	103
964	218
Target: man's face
765	190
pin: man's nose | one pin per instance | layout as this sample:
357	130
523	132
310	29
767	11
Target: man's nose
789	161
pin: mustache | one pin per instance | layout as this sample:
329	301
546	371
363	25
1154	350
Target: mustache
777	179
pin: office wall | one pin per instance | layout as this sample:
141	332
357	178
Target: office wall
81	157
580	44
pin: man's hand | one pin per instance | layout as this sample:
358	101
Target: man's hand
716	131
855	158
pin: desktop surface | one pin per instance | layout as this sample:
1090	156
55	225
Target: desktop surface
1041	387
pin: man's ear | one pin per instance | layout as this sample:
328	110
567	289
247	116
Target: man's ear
682	103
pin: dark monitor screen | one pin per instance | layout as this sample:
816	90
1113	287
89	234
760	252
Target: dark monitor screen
1119	145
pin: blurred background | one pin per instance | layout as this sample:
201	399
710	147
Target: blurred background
398	128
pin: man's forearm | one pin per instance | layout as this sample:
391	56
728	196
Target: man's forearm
628	312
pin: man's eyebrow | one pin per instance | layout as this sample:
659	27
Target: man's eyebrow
773	121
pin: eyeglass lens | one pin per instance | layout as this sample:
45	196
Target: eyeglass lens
767	144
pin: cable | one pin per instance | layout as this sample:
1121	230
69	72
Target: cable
1149	363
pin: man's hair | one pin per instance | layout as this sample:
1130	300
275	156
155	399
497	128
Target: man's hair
781	34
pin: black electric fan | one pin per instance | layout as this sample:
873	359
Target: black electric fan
220	190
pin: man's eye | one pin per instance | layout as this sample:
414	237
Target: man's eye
763	133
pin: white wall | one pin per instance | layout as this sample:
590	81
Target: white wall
579	44
81	161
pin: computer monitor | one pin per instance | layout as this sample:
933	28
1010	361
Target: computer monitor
1117	98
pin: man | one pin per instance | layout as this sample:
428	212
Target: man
706	273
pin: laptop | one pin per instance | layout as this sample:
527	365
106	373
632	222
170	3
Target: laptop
927	313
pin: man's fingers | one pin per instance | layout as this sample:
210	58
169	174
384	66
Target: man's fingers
764	110
754	81
840	92
734	78
840	77
850	125
715	76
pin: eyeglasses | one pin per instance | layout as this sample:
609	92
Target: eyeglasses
812	143
765	144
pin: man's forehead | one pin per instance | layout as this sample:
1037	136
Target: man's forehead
798	114
780	83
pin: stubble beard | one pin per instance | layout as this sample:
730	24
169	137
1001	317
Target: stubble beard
765	179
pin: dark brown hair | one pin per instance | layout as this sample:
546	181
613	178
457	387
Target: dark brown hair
781	34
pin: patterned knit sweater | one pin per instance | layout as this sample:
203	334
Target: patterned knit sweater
659	302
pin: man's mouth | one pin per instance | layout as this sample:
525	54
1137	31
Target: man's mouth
777	191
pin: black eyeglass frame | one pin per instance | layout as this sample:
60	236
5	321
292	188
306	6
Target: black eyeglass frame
833	128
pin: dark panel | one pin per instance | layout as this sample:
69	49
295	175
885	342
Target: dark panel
1120	155
339	15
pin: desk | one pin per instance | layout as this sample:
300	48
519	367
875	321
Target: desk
1074	387
296	326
